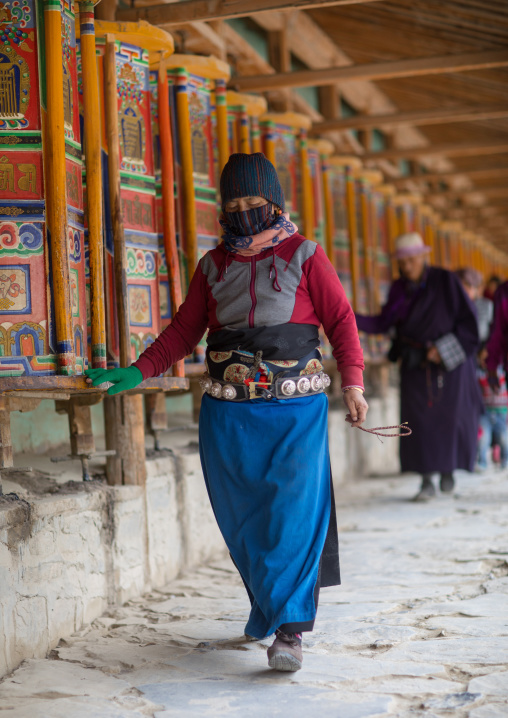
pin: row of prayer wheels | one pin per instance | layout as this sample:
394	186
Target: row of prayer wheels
111	152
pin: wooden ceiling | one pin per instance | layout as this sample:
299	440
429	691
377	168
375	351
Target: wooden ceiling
369	32
405	29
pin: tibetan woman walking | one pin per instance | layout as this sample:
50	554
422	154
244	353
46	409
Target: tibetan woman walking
262	294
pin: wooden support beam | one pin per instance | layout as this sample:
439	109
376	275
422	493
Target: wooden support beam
187	165
156	416
422	117
365	139
6	459
485	191
124	424
198	38
120	252
176	13
92	132
168	201
329	101
465	149
80	423
374	71
56	200
280	59
445	176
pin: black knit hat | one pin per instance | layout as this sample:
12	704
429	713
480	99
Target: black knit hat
250	176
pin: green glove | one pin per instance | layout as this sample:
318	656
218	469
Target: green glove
123	379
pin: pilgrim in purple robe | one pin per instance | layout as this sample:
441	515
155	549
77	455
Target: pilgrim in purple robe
435	338
497	345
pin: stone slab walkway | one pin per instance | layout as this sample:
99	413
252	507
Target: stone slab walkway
418	628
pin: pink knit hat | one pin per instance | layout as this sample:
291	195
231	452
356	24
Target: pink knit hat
410	245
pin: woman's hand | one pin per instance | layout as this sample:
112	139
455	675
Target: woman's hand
358	407
433	355
122	379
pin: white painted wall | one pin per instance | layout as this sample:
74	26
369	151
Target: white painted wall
65	556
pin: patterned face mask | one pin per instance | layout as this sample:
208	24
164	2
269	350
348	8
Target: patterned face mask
252	221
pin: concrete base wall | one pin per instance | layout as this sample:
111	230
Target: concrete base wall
354	453
66	555
68	550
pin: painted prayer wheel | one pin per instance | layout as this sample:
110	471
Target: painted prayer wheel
406	213
194	84
428	230
380	198
133	45
371	237
284	142
447	241
341	171
317	153
191	81
43	328
343	188
243	121
367	240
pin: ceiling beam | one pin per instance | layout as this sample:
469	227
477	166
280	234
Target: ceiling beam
483	212
465	149
485	192
444	176
422	117
374	71
176	13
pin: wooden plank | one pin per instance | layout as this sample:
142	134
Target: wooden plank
464	149
421	117
78	385
374	71
192	10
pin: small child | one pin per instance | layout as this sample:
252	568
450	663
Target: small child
493	422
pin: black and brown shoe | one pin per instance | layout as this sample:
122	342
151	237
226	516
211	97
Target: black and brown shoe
427	490
285	654
447	483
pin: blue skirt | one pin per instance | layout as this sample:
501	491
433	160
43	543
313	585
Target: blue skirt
267	471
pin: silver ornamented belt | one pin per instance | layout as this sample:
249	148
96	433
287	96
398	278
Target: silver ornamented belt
283	388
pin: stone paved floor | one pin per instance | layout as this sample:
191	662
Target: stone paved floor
419	628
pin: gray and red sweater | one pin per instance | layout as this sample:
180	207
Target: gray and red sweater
294	283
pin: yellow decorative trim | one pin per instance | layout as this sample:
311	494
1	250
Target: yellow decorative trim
387	190
15	211
210	67
324	147
254	104
293	119
407	199
346	161
141	34
10	140
373	177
